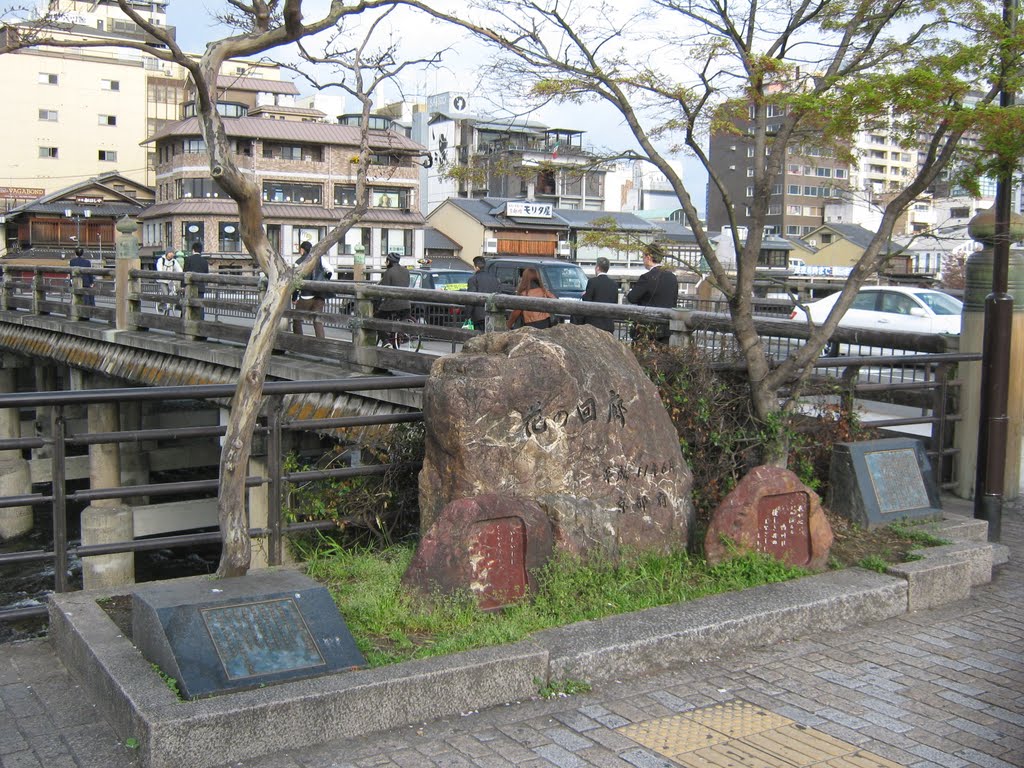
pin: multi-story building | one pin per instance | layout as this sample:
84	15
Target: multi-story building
810	178
476	157
77	113
304	167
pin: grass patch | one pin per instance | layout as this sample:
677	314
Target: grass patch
392	624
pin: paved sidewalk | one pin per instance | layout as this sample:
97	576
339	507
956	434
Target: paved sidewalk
938	688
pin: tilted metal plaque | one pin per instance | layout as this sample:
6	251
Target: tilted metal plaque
896	479
261	638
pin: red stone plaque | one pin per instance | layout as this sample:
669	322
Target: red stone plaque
497	556
782	529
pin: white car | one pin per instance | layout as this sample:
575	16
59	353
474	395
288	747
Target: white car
892	308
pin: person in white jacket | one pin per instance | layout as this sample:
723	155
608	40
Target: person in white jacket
167	264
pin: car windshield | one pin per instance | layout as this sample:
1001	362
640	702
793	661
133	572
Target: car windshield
451	281
567	278
940	303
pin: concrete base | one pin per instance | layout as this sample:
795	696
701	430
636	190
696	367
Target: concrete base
15	481
107	525
240	726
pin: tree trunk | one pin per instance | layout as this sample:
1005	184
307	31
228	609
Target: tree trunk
245	410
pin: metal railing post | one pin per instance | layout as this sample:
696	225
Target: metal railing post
60	510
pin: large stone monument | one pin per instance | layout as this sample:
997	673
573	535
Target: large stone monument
566	418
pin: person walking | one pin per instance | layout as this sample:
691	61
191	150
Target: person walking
602	289
530	284
79	260
310	300
395	276
167	265
481	281
658	287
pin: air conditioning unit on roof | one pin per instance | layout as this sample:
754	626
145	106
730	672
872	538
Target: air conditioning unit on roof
565	249
491	245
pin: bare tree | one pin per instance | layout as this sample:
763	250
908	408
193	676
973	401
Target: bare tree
261	26
807	74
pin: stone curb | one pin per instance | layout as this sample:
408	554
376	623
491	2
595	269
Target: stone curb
242	725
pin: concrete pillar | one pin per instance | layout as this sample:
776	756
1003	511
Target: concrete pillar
259	508
134	456
106	520
14	470
972	331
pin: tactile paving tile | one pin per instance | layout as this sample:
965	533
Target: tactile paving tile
738	718
736	734
672	735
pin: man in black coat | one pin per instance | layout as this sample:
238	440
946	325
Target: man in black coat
79	260
601	288
196	262
657	287
481	281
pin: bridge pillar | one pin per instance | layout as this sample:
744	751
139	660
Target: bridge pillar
14	469
106	520
134	462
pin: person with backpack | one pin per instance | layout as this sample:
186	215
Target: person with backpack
167	265
309	300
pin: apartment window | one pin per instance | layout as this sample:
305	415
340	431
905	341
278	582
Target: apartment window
313	234
747	211
193	146
48	78
826	238
774	209
792	229
108	120
794	210
878	153
876	168
874	138
107	156
48	152
594	185
795	169
825	173
381	197
287	192
776	189
840	173
750	151
110	85
750	173
293	152
345	194
794	189
49	115
189	188
750	191
776	110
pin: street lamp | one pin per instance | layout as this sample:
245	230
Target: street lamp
70	214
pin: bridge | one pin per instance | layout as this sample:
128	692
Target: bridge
112	334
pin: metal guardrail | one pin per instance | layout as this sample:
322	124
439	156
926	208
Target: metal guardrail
273	427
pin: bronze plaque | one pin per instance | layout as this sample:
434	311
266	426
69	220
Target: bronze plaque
261	638
896	480
497	552
782	529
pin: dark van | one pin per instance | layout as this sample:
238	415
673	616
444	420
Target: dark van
563	278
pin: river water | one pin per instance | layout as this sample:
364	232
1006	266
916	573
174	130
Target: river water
28	584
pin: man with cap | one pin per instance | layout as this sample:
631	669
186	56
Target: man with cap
310	300
394	309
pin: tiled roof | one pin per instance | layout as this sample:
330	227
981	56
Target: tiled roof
434	239
256	84
299	111
208	207
291	130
